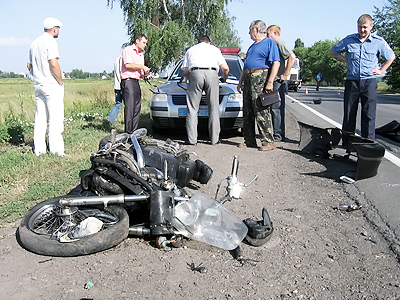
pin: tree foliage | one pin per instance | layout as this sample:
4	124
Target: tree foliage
78	74
10	75
298	43
317	59
387	25
172	25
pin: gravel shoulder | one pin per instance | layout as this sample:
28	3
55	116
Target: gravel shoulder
316	251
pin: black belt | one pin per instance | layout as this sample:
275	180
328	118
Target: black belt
197	68
131	79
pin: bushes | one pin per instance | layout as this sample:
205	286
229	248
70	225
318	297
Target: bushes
14	129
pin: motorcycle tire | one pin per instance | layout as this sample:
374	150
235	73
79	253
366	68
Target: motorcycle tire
113	233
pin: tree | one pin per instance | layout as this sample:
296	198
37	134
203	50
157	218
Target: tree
171	26
78	74
317	59
387	25
9	75
298	43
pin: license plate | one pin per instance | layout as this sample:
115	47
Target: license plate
203	112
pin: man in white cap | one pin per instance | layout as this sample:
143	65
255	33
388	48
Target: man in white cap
49	89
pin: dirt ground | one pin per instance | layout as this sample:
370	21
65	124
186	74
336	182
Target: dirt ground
316	250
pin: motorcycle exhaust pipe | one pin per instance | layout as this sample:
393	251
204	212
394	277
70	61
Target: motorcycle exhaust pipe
105	200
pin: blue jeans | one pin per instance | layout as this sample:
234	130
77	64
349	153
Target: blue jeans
117	106
278	112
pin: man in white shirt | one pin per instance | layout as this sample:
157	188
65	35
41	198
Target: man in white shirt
49	89
201	65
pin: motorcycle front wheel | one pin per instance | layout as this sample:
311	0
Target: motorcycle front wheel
43	225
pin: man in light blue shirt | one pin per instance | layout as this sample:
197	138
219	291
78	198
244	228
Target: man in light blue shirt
363	50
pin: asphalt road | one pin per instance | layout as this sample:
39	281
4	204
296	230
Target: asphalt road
388	109
382	192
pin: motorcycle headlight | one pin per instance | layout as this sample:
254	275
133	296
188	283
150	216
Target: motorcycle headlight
159	97
235	97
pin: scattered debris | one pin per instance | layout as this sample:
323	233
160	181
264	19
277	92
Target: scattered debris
6	236
248	261
317	101
347	179
259	232
237	253
391	184
198	268
88	285
289	209
391	130
351	207
46	260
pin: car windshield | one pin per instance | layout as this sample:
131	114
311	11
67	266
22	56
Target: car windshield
235	69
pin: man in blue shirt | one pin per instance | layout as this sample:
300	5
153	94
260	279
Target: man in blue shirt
319	78
260	69
363	51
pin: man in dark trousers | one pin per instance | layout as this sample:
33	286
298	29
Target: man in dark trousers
363	51
319	78
133	69
287	60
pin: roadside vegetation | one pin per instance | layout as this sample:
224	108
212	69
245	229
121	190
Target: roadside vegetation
317	59
26	179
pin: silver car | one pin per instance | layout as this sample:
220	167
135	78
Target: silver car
168	107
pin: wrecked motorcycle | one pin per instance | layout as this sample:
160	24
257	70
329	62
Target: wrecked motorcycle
135	186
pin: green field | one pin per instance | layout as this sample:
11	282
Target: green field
26	179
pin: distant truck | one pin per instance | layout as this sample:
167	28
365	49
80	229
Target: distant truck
294	80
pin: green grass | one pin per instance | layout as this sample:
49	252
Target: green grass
16	95
26	179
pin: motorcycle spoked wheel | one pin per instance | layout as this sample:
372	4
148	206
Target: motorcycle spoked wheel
40	224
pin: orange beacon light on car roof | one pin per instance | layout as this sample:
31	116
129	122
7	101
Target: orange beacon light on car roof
230	49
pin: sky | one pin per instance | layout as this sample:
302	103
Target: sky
92	34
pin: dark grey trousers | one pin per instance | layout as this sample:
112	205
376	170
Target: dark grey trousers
132	96
366	92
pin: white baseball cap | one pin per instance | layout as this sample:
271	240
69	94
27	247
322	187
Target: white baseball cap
51	22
